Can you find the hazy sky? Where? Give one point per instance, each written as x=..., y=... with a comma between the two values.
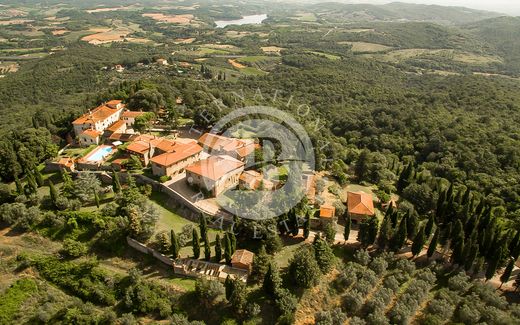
x=511, y=7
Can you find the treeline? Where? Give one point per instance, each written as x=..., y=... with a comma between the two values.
x=442, y=124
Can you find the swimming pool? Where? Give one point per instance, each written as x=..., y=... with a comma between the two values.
x=99, y=154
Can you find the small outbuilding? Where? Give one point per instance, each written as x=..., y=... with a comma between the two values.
x=243, y=259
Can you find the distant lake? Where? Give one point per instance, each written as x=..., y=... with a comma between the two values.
x=253, y=19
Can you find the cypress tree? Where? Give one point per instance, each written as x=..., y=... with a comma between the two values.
x=480, y=208
x=394, y=217
x=385, y=233
x=218, y=249
x=33, y=187
x=433, y=243
x=470, y=226
x=323, y=254
x=457, y=255
x=457, y=232
x=96, y=198
x=507, y=272
x=227, y=249
x=19, y=186
x=233, y=242
x=418, y=242
x=229, y=286
x=429, y=226
x=196, y=244
x=272, y=280
x=293, y=222
x=53, y=192
x=405, y=177
x=261, y=262
x=472, y=255
x=478, y=266
x=38, y=177
x=207, y=249
x=411, y=225
x=514, y=244
x=488, y=240
x=399, y=238
x=116, y=183
x=389, y=214
x=203, y=226
x=175, y=247
x=348, y=225
x=306, y=228
x=445, y=234
x=439, y=211
x=449, y=193
x=466, y=197
x=493, y=264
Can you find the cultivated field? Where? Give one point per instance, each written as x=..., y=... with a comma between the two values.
x=364, y=47
x=172, y=19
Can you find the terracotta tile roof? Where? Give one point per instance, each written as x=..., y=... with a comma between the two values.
x=98, y=114
x=91, y=133
x=242, y=256
x=113, y=103
x=139, y=146
x=252, y=178
x=327, y=211
x=246, y=150
x=131, y=114
x=242, y=147
x=66, y=161
x=360, y=203
x=165, y=145
x=181, y=152
x=214, y=167
x=116, y=126
x=123, y=137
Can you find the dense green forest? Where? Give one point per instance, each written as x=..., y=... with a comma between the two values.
x=418, y=103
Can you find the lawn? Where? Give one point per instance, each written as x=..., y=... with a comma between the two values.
x=167, y=219
x=187, y=284
x=290, y=245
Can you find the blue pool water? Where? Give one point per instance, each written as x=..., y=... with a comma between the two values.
x=100, y=154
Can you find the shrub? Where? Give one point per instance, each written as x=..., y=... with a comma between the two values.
x=330, y=317
x=405, y=266
x=459, y=282
x=72, y=248
x=353, y=301
x=378, y=265
x=208, y=291
x=391, y=283
x=362, y=257
x=164, y=178
x=378, y=318
x=468, y=314
x=440, y=308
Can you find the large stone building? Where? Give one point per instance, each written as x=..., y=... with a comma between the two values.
x=221, y=145
x=174, y=162
x=89, y=127
x=215, y=174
